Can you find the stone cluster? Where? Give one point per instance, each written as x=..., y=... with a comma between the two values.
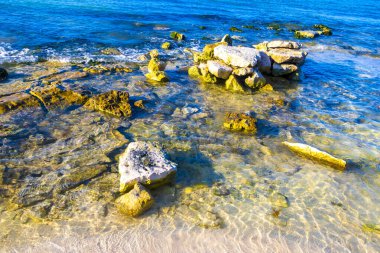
x=242, y=69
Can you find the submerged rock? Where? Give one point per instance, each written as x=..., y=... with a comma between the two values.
x=166, y=45
x=219, y=69
x=373, y=228
x=113, y=102
x=111, y=51
x=235, y=29
x=316, y=155
x=3, y=74
x=177, y=36
x=17, y=100
x=240, y=122
x=324, y=29
x=100, y=69
x=237, y=56
x=145, y=163
x=309, y=34
x=56, y=78
x=135, y=202
x=279, y=200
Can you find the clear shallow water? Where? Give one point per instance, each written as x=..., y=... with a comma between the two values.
x=335, y=108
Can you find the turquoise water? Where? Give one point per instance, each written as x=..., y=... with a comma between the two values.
x=335, y=107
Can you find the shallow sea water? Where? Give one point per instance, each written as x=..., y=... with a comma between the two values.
x=334, y=108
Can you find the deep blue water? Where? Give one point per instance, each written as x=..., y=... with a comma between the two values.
x=58, y=25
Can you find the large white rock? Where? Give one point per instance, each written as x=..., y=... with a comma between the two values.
x=145, y=163
x=240, y=57
x=219, y=69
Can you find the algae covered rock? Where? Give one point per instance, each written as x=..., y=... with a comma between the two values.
x=316, y=155
x=242, y=71
x=308, y=34
x=113, y=102
x=156, y=65
x=3, y=74
x=17, y=100
x=135, y=202
x=219, y=69
x=194, y=72
x=177, y=36
x=324, y=29
x=154, y=54
x=240, y=122
x=158, y=76
x=234, y=84
x=166, y=45
x=111, y=51
x=256, y=81
x=235, y=29
x=241, y=57
x=56, y=97
x=145, y=163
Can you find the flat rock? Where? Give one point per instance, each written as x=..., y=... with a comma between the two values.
x=219, y=69
x=135, y=202
x=283, y=69
x=283, y=55
x=145, y=163
x=316, y=155
x=240, y=57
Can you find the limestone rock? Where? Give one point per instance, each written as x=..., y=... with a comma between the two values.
x=208, y=50
x=146, y=163
x=135, y=202
x=283, y=69
x=3, y=74
x=17, y=100
x=64, y=77
x=309, y=34
x=240, y=122
x=113, y=102
x=237, y=56
x=316, y=155
x=256, y=81
x=282, y=55
x=219, y=69
x=158, y=76
x=234, y=84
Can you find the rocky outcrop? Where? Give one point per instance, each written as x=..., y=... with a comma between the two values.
x=109, y=68
x=166, y=45
x=113, y=102
x=57, y=78
x=177, y=36
x=156, y=68
x=240, y=122
x=135, y=202
x=308, y=34
x=111, y=51
x=145, y=163
x=3, y=74
x=325, y=30
x=241, y=69
x=316, y=155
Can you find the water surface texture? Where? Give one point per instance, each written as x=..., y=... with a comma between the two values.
x=335, y=107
